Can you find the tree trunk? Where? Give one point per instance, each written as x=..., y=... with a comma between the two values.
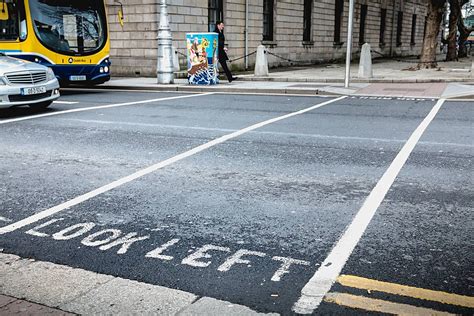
x=430, y=42
x=454, y=16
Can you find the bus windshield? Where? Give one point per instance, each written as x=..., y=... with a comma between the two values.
x=9, y=22
x=70, y=27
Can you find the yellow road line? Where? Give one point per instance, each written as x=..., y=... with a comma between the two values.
x=404, y=290
x=375, y=305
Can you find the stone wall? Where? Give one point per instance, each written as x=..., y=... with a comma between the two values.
x=134, y=46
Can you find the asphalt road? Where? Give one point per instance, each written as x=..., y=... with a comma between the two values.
x=250, y=218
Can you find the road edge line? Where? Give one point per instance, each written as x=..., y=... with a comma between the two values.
x=442, y=297
x=99, y=107
x=319, y=285
x=379, y=306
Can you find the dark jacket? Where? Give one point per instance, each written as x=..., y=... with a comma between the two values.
x=221, y=43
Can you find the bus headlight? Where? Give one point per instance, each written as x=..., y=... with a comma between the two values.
x=50, y=74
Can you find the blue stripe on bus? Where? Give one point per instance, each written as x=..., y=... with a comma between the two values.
x=92, y=72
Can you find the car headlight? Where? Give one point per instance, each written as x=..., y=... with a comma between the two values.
x=2, y=81
x=50, y=74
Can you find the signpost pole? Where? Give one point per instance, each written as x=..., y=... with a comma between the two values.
x=164, y=67
x=349, y=44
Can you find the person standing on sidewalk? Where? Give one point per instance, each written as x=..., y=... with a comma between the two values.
x=222, y=51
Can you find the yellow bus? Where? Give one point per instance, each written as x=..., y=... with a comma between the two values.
x=71, y=37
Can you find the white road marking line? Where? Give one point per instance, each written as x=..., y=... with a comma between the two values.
x=101, y=107
x=61, y=207
x=277, y=94
x=4, y=219
x=228, y=130
x=319, y=285
x=100, y=90
x=65, y=102
x=215, y=92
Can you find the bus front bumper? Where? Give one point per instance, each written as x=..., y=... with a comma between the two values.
x=82, y=74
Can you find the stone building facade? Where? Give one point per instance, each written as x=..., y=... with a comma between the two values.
x=305, y=31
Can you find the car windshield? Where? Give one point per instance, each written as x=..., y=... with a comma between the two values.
x=70, y=27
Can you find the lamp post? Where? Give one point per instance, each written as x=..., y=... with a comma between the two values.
x=349, y=44
x=164, y=65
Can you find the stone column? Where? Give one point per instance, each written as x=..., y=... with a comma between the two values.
x=261, y=63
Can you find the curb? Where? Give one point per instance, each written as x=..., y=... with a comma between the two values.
x=355, y=80
x=82, y=292
x=209, y=89
x=288, y=90
x=468, y=97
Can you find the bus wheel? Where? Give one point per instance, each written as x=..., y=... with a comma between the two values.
x=41, y=105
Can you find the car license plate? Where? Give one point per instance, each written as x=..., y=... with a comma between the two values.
x=34, y=90
x=77, y=78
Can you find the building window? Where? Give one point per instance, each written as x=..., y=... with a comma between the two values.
x=215, y=13
x=363, y=17
x=307, y=17
x=399, y=28
x=268, y=20
x=383, y=19
x=339, y=9
x=413, y=29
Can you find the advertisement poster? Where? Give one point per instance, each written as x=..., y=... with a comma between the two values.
x=202, y=58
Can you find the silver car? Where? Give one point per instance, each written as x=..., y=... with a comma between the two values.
x=26, y=83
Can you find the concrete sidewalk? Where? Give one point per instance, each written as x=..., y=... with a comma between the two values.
x=30, y=287
x=412, y=90
x=391, y=79
x=13, y=306
x=384, y=71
